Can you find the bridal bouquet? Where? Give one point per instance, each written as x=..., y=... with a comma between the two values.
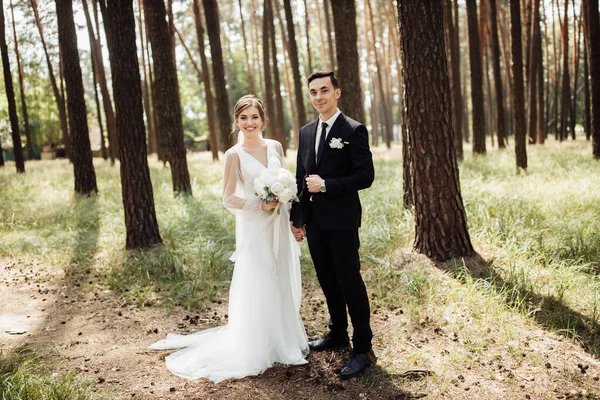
x=277, y=183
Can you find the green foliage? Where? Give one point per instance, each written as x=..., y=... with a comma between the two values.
x=22, y=378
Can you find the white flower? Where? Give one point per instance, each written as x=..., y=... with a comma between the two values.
x=276, y=183
x=337, y=143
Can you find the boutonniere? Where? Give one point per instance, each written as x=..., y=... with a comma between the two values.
x=337, y=143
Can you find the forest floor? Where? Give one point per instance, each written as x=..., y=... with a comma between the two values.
x=105, y=338
x=520, y=320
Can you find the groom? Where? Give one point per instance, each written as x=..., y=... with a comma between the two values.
x=334, y=163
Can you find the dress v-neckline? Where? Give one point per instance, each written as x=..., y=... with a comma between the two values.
x=256, y=159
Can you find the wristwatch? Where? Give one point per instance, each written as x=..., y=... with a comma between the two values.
x=322, y=188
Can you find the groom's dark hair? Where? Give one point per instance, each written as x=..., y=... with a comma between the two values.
x=323, y=74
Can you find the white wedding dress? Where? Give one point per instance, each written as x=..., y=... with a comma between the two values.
x=264, y=327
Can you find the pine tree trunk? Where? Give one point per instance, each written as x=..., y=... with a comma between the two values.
x=279, y=130
x=295, y=64
x=534, y=70
x=307, y=25
x=518, y=90
x=330, y=46
x=594, y=50
x=168, y=108
x=456, y=84
x=541, y=123
x=136, y=188
x=586, y=73
x=440, y=221
x=346, y=45
x=210, y=99
x=10, y=96
x=387, y=133
x=495, y=47
x=566, y=88
x=145, y=89
x=271, y=122
x=85, y=176
x=60, y=101
x=1, y=156
x=22, y=88
x=249, y=67
x=576, y=42
x=213, y=29
x=92, y=39
x=478, y=112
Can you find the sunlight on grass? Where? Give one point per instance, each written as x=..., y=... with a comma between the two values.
x=539, y=232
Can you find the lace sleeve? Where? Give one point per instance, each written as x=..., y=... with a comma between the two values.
x=279, y=150
x=233, y=198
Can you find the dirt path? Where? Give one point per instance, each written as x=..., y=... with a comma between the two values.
x=103, y=337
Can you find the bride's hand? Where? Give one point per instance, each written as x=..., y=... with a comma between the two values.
x=269, y=206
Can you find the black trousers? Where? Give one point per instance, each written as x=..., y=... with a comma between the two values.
x=335, y=255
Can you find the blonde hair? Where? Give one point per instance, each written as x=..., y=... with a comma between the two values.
x=244, y=103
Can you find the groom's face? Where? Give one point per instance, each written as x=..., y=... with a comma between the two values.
x=323, y=96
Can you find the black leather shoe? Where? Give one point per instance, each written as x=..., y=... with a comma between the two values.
x=328, y=343
x=358, y=363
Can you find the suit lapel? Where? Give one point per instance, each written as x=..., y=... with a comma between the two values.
x=312, y=135
x=336, y=126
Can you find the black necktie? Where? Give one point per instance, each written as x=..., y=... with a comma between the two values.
x=322, y=138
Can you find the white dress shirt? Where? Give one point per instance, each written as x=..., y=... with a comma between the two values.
x=329, y=122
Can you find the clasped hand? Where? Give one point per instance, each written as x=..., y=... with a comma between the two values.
x=299, y=233
x=313, y=183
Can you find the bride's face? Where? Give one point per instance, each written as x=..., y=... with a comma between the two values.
x=250, y=122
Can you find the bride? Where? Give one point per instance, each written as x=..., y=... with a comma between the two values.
x=264, y=327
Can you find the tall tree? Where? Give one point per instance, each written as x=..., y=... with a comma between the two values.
x=210, y=99
x=152, y=145
x=211, y=11
x=60, y=101
x=534, y=70
x=270, y=105
x=517, y=90
x=98, y=61
x=495, y=47
x=21, y=86
x=440, y=219
x=307, y=26
x=136, y=188
x=10, y=96
x=593, y=27
x=566, y=85
x=249, y=67
x=85, y=176
x=293, y=52
x=279, y=128
x=168, y=108
x=477, y=103
x=1, y=155
x=330, y=47
x=346, y=46
x=586, y=73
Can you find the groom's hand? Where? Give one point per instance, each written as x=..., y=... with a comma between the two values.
x=313, y=182
x=298, y=233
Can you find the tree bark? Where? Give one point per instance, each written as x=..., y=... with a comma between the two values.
x=145, y=89
x=440, y=221
x=267, y=48
x=294, y=61
x=586, y=73
x=279, y=131
x=495, y=47
x=10, y=96
x=346, y=45
x=594, y=50
x=566, y=88
x=477, y=112
x=249, y=67
x=85, y=176
x=136, y=188
x=168, y=108
x=307, y=25
x=330, y=46
x=518, y=91
x=211, y=11
x=60, y=101
x=22, y=87
x=210, y=99
x=534, y=70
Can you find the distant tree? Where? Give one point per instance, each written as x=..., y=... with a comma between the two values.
x=10, y=96
x=166, y=89
x=269, y=103
x=586, y=72
x=500, y=116
x=535, y=68
x=58, y=97
x=21, y=86
x=85, y=176
x=593, y=28
x=293, y=52
x=477, y=103
x=440, y=220
x=1, y=156
x=565, y=96
x=517, y=90
x=136, y=188
x=249, y=66
x=279, y=131
x=211, y=11
x=346, y=46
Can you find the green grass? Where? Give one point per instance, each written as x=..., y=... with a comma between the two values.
x=539, y=234
x=22, y=378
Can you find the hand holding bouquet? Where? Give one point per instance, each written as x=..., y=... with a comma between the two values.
x=276, y=184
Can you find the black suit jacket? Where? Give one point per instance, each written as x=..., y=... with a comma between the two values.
x=345, y=171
